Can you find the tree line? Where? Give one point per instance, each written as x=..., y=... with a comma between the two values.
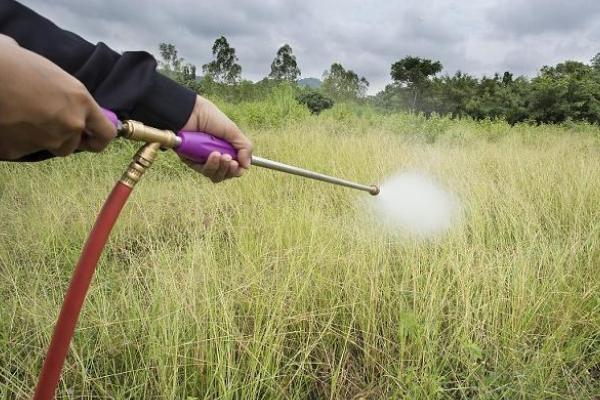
x=567, y=91
x=222, y=77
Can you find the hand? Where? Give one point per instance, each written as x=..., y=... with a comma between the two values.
x=44, y=108
x=207, y=118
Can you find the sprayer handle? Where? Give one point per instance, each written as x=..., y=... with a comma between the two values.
x=111, y=116
x=195, y=146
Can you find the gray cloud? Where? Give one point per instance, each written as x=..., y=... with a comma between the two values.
x=537, y=17
x=478, y=37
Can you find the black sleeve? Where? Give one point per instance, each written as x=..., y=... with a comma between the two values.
x=126, y=83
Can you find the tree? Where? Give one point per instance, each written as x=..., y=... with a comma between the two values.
x=595, y=62
x=414, y=73
x=569, y=90
x=344, y=85
x=224, y=68
x=507, y=78
x=284, y=66
x=174, y=66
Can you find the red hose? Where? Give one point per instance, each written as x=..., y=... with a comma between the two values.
x=80, y=282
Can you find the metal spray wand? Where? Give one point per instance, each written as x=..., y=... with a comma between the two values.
x=197, y=146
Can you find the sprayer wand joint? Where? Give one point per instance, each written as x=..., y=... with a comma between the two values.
x=136, y=131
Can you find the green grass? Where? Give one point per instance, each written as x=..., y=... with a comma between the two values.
x=275, y=287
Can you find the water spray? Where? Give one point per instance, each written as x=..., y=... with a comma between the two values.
x=194, y=146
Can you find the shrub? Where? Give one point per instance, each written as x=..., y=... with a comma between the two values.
x=315, y=101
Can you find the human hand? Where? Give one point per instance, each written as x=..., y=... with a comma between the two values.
x=207, y=118
x=44, y=108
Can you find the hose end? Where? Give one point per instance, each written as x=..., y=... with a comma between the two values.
x=374, y=190
x=142, y=160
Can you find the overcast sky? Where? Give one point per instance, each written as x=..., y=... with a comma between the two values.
x=478, y=37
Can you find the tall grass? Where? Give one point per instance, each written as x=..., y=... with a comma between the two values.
x=272, y=286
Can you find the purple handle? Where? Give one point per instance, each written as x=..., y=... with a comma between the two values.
x=197, y=146
x=112, y=117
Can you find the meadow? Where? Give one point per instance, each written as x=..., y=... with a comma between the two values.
x=275, y=287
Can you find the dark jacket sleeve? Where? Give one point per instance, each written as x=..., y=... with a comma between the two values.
x=126, y=83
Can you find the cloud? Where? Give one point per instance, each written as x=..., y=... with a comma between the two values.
x=477, y=37
x=537, y=17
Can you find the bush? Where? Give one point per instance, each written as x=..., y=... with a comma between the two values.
x=315, y=101
x=279, y=109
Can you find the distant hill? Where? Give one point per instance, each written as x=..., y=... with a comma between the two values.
x=313, y=83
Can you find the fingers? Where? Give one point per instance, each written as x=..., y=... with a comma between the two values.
x=245, y=158
x=222, y=172
x=211, y=166
x=68, y=146
x=234, y=170
x=239, y=141
x=243, y=146
x=218, y=167
x=99, y=130
x=207, y=117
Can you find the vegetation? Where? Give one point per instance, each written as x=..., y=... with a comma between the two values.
x=174, y=66
x=414, y=73
x=272, y=286
x=284, y=66
x=224, y=68
x=341, y=84
x=314, y=100
x=569, y=91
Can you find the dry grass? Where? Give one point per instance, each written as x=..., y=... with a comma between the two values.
x=276, y=287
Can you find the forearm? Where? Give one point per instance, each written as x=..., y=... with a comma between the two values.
x=127, y=84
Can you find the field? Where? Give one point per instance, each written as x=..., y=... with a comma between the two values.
x=275, y=287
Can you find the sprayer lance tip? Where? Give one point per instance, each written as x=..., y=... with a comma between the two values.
x=374, y=190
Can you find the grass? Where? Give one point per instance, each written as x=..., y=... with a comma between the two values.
x=272, y=286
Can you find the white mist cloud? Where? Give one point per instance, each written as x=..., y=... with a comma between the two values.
x=414, y=204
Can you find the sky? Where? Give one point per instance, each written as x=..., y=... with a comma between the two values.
x=476, y=37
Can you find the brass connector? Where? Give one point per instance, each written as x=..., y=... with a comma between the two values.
x=142, y=160
x=134, y=130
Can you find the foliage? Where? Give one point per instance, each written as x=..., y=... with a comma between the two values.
x=314, y=100
x=276, y=287
x=224, y=68
x=341, y=84
x=279, y=108
x=174, y=66
x=414, y=70
x=414, y=73
x=284, y=66
x=567, y=91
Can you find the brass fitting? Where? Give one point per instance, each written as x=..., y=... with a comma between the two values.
x=134, y=130
x=142, y=160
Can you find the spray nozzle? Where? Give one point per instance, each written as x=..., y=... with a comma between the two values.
x=197, y=146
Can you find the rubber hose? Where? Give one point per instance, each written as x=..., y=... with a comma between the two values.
x=75, y=296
